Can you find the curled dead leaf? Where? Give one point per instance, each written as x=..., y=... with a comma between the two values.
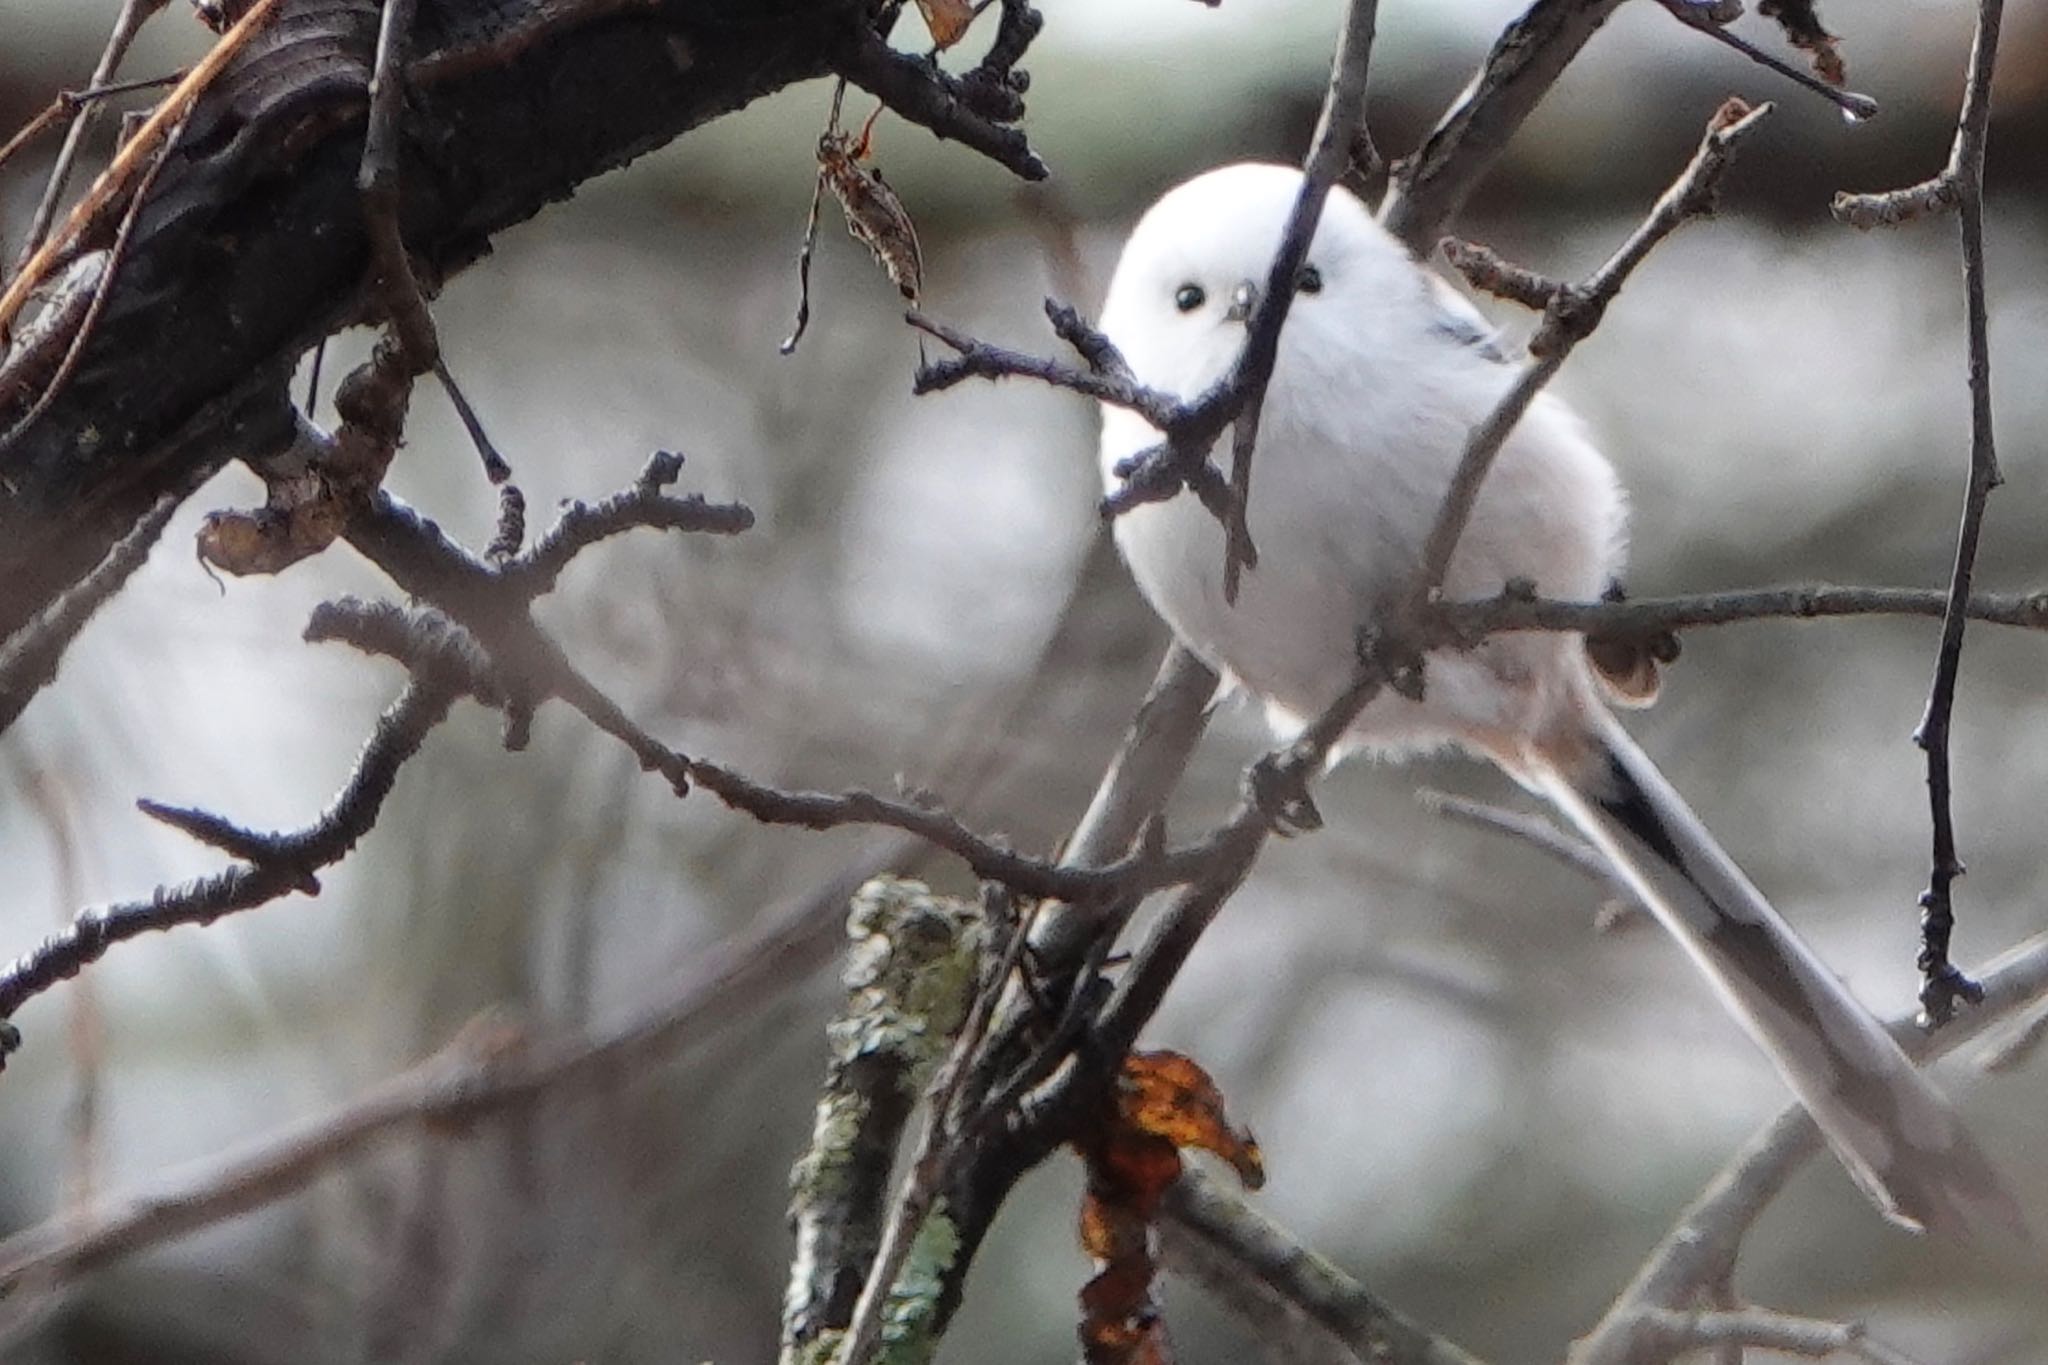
x=1167, y=1095
x=1163, y=1103
x=947, y=20
x=875, y=216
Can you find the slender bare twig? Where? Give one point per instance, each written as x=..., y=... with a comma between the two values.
x=1568, y=319
x=1200, y=1210
x=645, y=504
x=1704, y=1242
x=127, y=24
x=1665, y=1334
x=1329, y=154
x=130, y=158
x=290, y=859
x=496, y=469
x=1960, y=186
x=1471, y=621
x=1485, y=269
x=28, y=661
x=1943, y=984
x=1539, y=834
x=1141, y=776
x=1689, y=13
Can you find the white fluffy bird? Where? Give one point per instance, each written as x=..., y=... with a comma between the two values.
x=1383, y=371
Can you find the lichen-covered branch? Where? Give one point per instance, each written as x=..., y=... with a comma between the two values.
x=910, y=978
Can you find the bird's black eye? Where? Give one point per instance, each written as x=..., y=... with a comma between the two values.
x=1189, y=297
x=1310, y=281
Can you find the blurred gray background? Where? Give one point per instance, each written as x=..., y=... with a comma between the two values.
x=1481, y=1107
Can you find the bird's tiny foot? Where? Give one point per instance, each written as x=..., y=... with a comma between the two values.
x=1278, y=786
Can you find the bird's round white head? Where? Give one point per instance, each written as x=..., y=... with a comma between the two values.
x=1194, y=266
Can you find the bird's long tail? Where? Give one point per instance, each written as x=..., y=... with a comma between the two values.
x=1898, y=1137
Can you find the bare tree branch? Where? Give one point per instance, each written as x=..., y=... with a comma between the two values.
x=1251, y=1245
x=1568, y=319
x=1429, y=186
x=1708, y=1235
x=287, y=863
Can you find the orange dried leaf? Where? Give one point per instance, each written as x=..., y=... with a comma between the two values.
x=946, y=19
x=1166, y=1095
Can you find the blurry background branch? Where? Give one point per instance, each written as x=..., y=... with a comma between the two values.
x=1702, y=1247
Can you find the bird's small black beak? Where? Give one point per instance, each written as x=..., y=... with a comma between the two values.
x=1243, y=300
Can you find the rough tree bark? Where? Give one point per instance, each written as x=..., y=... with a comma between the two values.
x=251, y=246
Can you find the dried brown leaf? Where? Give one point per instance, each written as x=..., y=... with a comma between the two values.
x=947, y=19
x=1801, y=22
x=1167, y=1095
x=874, y=214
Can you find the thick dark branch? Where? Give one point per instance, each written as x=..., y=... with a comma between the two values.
x=253, y=246
x=917, y=89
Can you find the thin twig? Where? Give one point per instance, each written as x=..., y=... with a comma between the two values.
x=1852, y=105
x=1569, y=319
x=1329, y=154
x=1944, y=986
x=1665, y=1334
x=809, y=246
x=495, y=467
x=1469, y=622
x=29, y=659
x=134, y=14
x=293, y=857
x=133, y=153
x=1201, y=1210
x=645, y=504
x=1539, y=834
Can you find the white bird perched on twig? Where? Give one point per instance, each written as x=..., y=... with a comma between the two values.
x=1383, y=371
